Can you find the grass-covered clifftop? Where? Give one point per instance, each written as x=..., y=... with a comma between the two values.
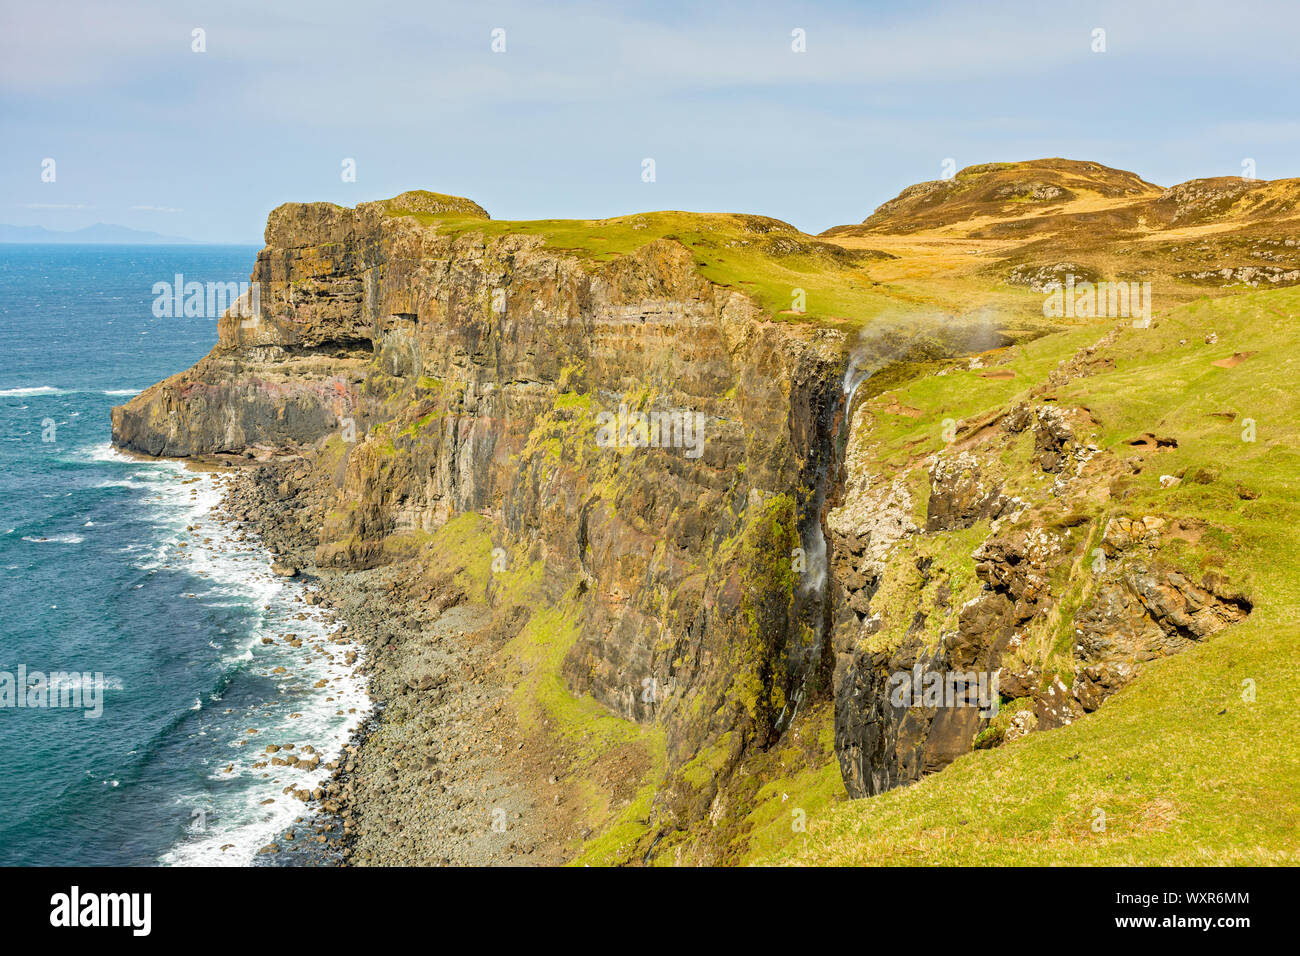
x=1194, y=761
x=765, y=258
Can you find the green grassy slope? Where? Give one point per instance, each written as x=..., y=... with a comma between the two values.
x=766, y=258
x=1186, y=767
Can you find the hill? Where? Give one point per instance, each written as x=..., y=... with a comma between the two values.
x=99, y=234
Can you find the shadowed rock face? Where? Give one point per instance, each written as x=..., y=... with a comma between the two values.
x=472, y=372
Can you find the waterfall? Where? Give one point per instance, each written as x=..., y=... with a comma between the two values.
x=814, y=591
x=876, y=348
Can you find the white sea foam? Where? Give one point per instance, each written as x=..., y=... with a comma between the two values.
x=32, y=390
x=123, y=483
x=104, y=451
x=29, y=390
x=54, y=539
x=76, y=682
x=235, y=814
x=236, y=820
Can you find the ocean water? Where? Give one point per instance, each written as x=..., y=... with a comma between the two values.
x=100, y=576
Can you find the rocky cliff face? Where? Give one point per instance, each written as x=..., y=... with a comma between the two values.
x=664, y=456
x=994, y=587
x=421, y=376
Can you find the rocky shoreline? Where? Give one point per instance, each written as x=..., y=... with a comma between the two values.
x=439, y=774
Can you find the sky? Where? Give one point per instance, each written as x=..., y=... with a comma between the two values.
x=147, y=132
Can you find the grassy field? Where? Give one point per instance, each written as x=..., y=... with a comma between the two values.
x=927, y=259
x=608, y=765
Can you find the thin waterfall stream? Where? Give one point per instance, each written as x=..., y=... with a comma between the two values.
x=814, y=589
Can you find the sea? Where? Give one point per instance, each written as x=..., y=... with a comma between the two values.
x=126, y=608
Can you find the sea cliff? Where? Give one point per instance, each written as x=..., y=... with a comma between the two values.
x=641, y=547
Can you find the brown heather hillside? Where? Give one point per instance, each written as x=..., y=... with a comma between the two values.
x=1001, y=227
x=1002, y=192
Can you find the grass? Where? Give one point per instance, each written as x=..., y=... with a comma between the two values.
x=586, y=734
x=964, y=395
x=1185, y=770
x=589, y=743
x=902, y=589
x=1195, y=762
x=767, y=259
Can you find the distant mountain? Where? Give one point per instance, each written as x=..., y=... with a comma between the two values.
x=100, y=232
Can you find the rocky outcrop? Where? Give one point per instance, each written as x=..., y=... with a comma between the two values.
x=1198, y=200
x=1140, y=611
x=915, y=624
x=1045, y=278
x=421, y=373
x=958, y=495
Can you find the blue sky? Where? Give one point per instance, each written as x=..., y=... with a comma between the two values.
x=149, y=134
